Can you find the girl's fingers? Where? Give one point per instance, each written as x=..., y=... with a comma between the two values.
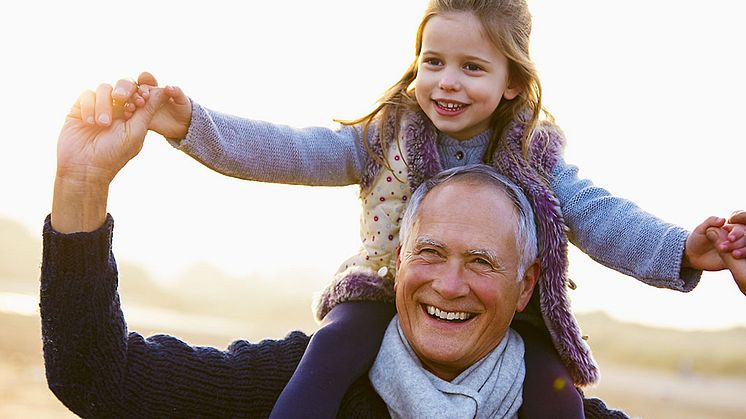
x=177, y=95
x=103, y=105
x=87, y=107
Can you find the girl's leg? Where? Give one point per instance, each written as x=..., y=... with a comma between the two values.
x=548, y=390
x=341, y=351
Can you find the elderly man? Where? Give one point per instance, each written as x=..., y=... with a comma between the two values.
x=466, y=265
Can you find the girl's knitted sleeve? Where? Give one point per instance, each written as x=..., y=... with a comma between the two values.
x=618, y=234
x=265, y=152
x=98, y=369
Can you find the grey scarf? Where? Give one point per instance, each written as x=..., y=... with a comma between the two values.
x=491, y=388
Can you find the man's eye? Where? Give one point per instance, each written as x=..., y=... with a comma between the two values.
x=430, y=254
x=483, y=263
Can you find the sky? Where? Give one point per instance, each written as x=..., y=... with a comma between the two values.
x=649, y=95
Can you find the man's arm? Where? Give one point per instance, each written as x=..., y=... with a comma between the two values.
x=93, y=365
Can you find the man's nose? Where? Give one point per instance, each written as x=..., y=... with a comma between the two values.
x=449, y=80
x=450, y=282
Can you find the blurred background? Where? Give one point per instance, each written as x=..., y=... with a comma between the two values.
x=649, y=94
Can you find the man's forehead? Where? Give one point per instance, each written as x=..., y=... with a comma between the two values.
x=479, y=213
x=483, y=202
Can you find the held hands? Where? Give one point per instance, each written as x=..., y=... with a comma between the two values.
x=718, y=244
x=171, y=120
x=737, y=267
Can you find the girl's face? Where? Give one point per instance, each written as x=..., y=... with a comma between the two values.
x=462, y=76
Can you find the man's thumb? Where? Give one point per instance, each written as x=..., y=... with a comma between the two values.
x=141, y=118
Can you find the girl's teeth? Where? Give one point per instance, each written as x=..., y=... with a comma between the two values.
x=450, y=106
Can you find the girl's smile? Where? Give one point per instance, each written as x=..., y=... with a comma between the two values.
x=461, y=77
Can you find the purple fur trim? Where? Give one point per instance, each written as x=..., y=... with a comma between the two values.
x=555, y=306
x=547, y=146
x=420, y=137
x=353, y=285
x=378, y=146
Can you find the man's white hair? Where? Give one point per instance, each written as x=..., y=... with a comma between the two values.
x=526, y=228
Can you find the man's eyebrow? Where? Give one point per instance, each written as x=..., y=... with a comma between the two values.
x=428, y=241
x=485, y=253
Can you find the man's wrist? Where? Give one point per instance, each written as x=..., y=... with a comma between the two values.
x=78, y=205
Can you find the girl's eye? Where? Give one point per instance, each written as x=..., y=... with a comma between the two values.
x=472, y=67
x=432, y=61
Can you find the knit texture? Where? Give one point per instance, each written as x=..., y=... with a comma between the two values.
x=98, y=369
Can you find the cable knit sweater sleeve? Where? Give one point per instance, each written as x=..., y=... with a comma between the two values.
x=261, y=151
x=97, y=369
x=618, y=234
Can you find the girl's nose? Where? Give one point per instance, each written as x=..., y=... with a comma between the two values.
x=449, y=82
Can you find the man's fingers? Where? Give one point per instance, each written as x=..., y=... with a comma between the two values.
x=738, y=217
x=736, y=266
x=124, y=89
x=87, y=103
x=147, y=78
x=103, y=105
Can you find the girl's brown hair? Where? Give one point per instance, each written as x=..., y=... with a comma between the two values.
x=507, y=24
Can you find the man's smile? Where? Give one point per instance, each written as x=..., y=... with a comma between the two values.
x=457, y=316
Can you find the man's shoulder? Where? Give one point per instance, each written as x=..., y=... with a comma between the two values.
x=362, y=401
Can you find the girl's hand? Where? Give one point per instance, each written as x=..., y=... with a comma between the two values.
x=171, y=121
x=701, y=253
x=737, y=267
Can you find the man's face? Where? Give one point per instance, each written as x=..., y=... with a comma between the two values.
x=457, y=287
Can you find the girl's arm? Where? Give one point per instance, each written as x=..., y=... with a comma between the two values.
x=265, y=152
x=618, y=234
x=250, y=149
x=97, y=369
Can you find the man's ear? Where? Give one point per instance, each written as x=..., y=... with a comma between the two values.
x=527, y=285
x=398, y=262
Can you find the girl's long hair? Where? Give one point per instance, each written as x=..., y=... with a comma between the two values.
x=507, y=24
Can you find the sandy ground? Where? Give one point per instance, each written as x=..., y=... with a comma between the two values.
x=657, y=394
x=640, y=393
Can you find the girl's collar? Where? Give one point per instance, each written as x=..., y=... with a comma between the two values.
x=479, y=140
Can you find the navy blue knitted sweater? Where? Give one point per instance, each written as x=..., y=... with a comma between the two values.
x=98, y=369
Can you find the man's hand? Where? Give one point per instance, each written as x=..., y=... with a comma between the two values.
x=92, y=148
x=719, y=238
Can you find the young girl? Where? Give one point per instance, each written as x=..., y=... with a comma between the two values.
x=471, y=94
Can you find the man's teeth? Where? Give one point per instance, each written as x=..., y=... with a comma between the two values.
x=450, y=106
x=448, y=315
